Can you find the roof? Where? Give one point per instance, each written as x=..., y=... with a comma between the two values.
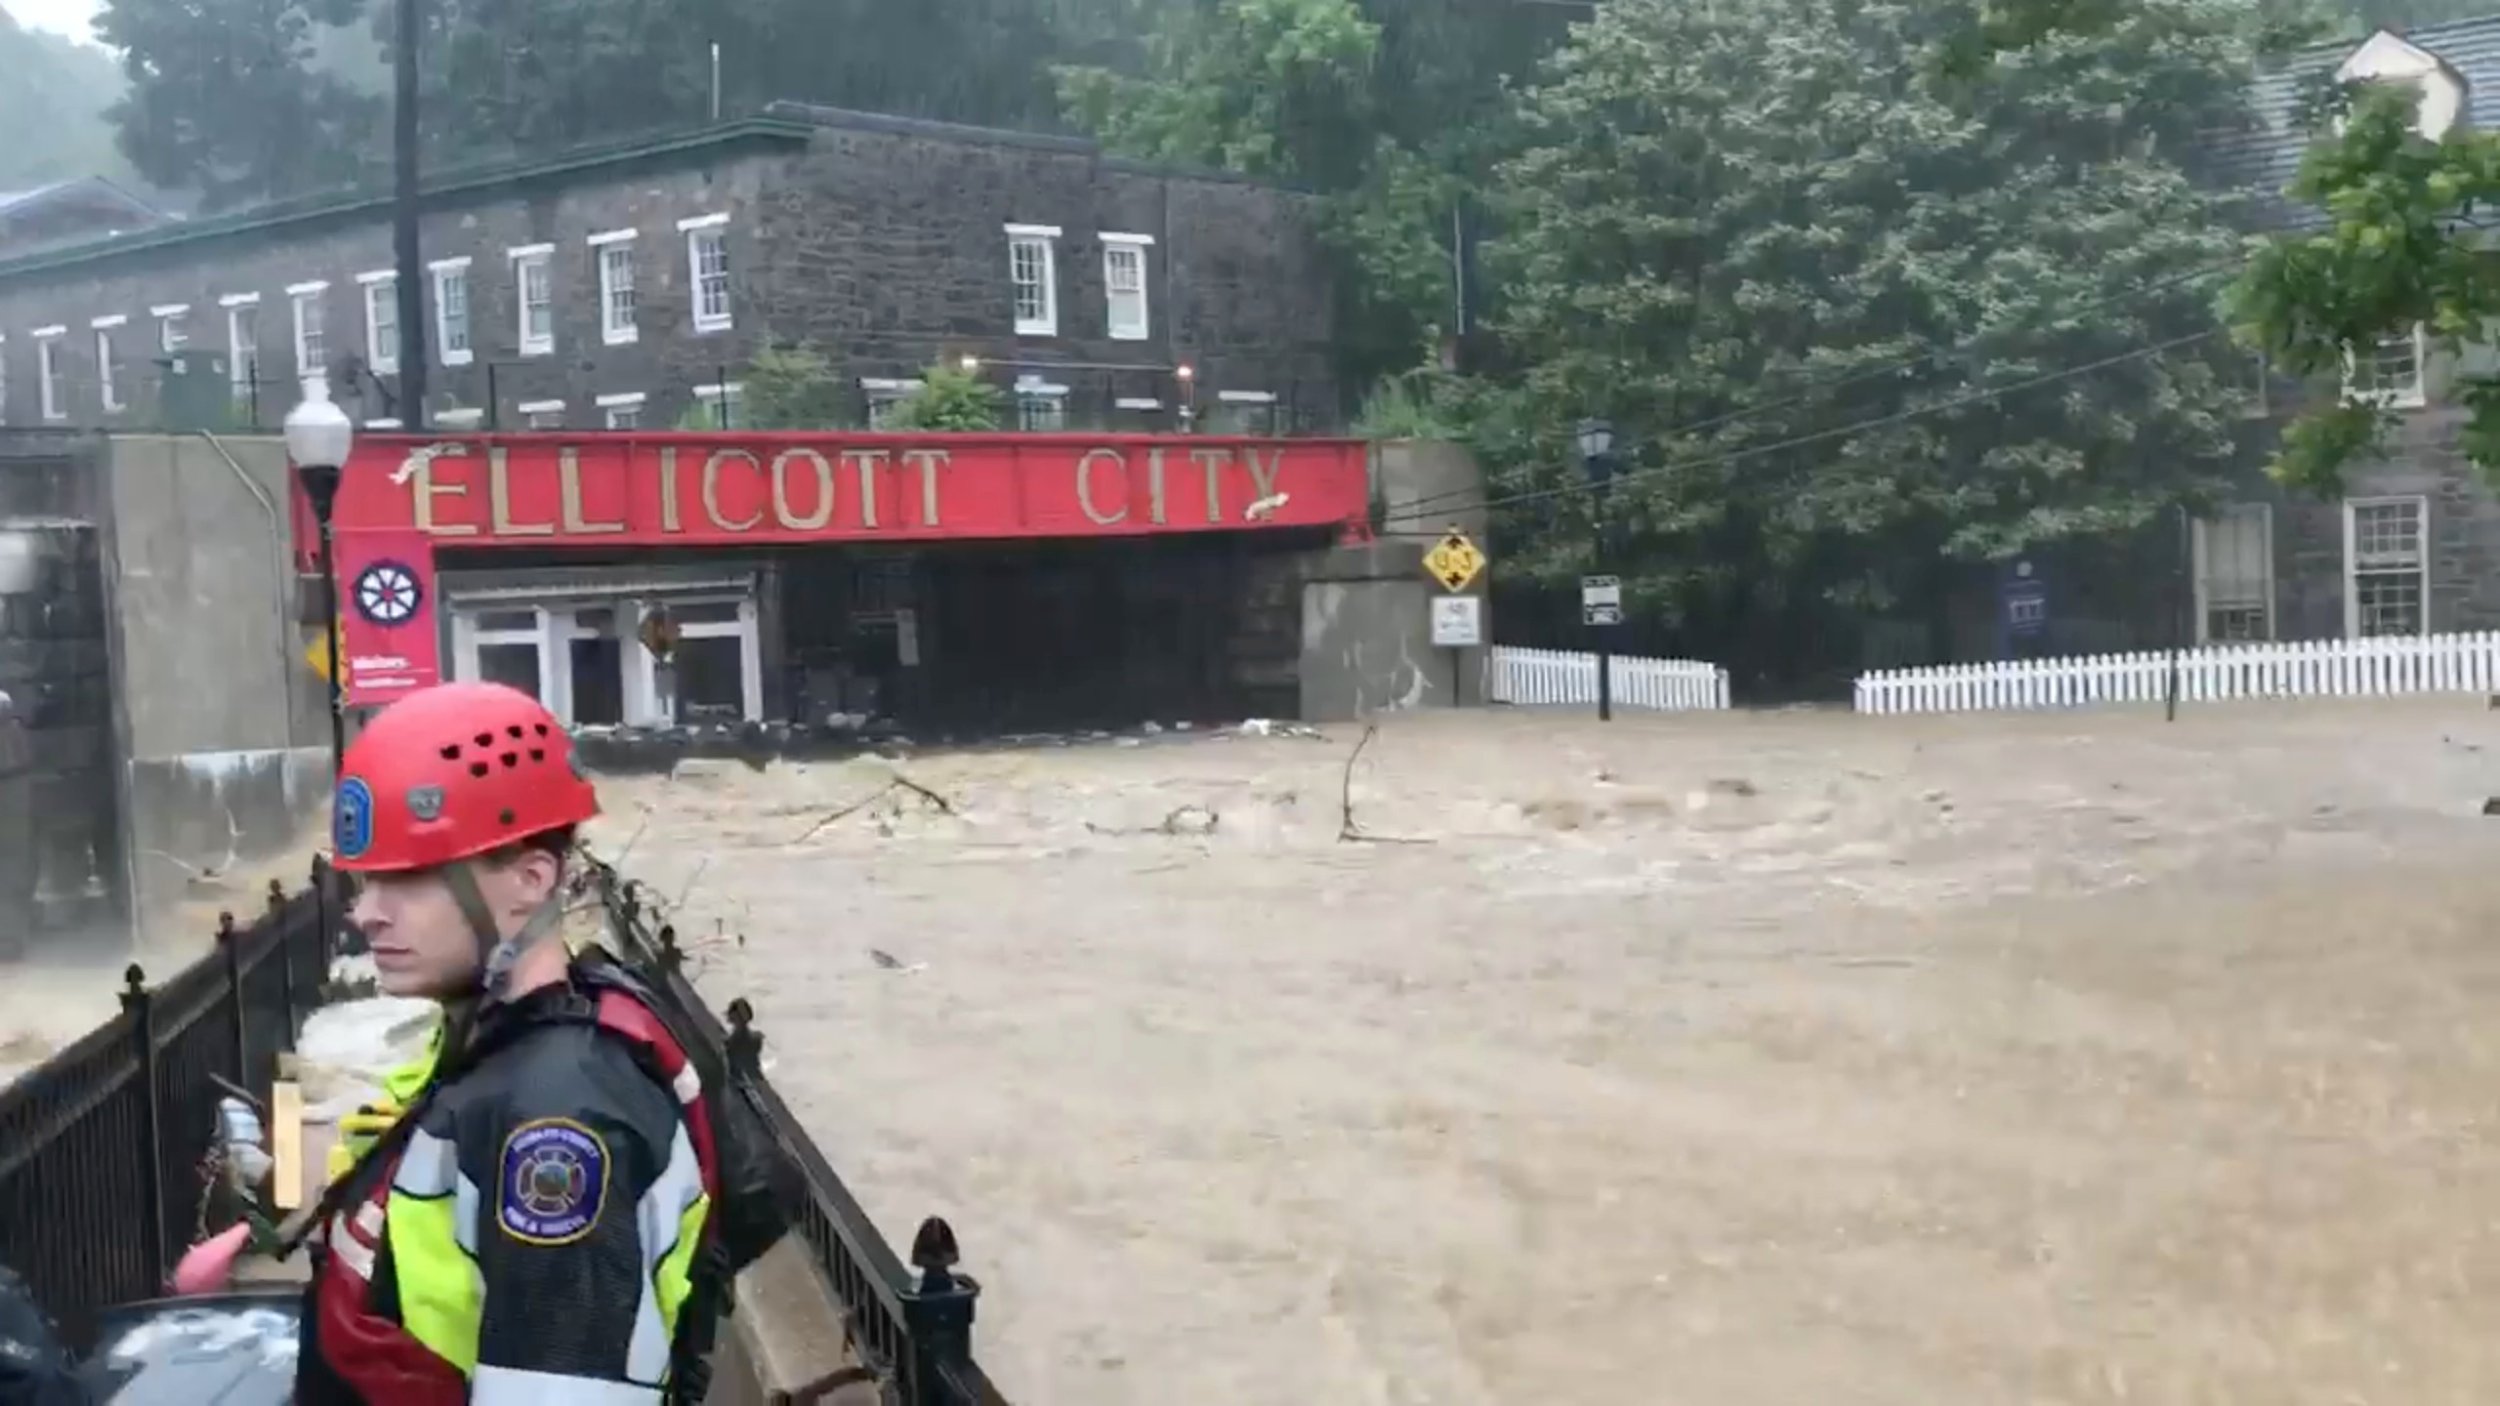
x=451, y=187
x=2267, y=156
x=17, y=202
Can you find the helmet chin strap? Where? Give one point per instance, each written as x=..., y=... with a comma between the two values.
x=496, y=953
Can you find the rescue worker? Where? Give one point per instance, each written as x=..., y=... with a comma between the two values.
x=533, y=1229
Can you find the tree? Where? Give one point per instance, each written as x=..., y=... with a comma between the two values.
x=950, y=400
x=2404, y=243
x=1744, y=233
x=53, y=108
x=222, y=100
x=795, y=388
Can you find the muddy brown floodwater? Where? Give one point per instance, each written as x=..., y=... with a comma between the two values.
x=1792, y=1058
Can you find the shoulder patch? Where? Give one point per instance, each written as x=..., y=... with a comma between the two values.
x=553, y=1184
x=351, y=821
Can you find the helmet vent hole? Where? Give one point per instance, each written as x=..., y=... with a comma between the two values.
x=514, y=731
x=484, y=739
x=506, y=818
x=538, y=754
x=511, y=759
x=452, y=752
x=479, y=768
x=542, y=729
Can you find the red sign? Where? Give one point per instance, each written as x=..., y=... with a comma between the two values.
x=386, y=615
x=539, y=490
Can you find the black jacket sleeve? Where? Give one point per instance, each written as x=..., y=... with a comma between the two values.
x=570, y=1145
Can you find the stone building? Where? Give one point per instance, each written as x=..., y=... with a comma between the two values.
x=633, y=286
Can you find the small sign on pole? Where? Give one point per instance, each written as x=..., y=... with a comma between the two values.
x=1458, y=622
x=1601, y=600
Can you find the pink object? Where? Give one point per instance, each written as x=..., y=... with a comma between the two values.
x=208, y=1266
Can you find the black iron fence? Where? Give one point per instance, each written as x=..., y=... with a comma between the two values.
x=910, y=1327
x=102, y=1146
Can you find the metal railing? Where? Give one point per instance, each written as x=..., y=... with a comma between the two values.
x=913, y=1331
x=101, y=1146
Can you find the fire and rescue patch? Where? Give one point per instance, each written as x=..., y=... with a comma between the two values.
x=351, y=819
x=555, y=1179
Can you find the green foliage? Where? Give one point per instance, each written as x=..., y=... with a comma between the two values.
x=950, y=399
x=1418, y=404
x=1740, y=232
x=53, y=108
x=2402, y=245
x=795, y=388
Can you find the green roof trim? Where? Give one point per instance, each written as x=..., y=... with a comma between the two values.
x=453, y=186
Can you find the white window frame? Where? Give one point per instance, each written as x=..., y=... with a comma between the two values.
x=380, y=289
x=1141, y=327
x=461, y=415
x=107, y=362
x=614, y=251
x=1043, y=241
x=2353, y=567
x=173, y=330
x=449, y=274
x=384, y=424
x=556, y=627
x=242, y=352
x=530, y=410
x=711, y=397
x=623, y=400
x=527, y=257
x=1032, y=391
x=704, y=232
x=302, y=298
x=4, y=378
x=2412, y=396
x=883, y=393
x=1266, y=400
x=2202, y=552
x=48, y=370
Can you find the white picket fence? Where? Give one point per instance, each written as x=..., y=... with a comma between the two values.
x=1534, y=677
x=2377, y=667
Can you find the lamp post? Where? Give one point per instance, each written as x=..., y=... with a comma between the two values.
x=1186, y=377
x=1597, y=463
x=318, y=436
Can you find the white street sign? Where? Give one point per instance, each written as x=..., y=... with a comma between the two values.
x=1457, y=622
x=1598, y=591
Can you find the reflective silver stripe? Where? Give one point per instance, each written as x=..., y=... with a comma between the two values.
x=369, y=1219
x=356, y=1257
x=464, y=1200
x=510, y=1386
x=689, y=1084
x=657, y=1219
x=428, y=1168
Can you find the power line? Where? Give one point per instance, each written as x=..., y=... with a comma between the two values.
x=1817, y=387
x=1417, y=509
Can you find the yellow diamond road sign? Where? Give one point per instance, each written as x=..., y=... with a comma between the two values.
x=1454, y=561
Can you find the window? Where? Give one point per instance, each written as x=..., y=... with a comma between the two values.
x=542, y=414
x=533, y=276
x=624, y=412
x=4, y=380
x=724, y=406
x=883, y=396
x=451, y=311
x=616, y=287
x=707, y=267
x=173, y=327
x=381, y=321
x=2386, y=568
x=1041, y=408
x=2234, y=552
x=1246, y=413
x=1124, y=286
x=580, y=657
x=48, y=370
x=2391, y=374
x=108, y=361
x=243, y=346
x=1033, y=270
x=312, y=335
x=719, y=678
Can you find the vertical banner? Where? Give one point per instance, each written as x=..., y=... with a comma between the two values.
x=386, y=615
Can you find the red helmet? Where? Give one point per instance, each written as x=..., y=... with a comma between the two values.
x=453, y=772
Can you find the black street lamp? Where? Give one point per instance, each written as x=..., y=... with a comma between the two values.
x=1597, y=462
x=318, y=436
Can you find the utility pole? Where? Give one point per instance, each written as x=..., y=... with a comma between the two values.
x=410, y=284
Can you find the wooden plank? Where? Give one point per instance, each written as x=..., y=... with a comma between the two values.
x=286, y=1144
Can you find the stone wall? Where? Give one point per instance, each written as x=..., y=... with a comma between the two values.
x=881, y=241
